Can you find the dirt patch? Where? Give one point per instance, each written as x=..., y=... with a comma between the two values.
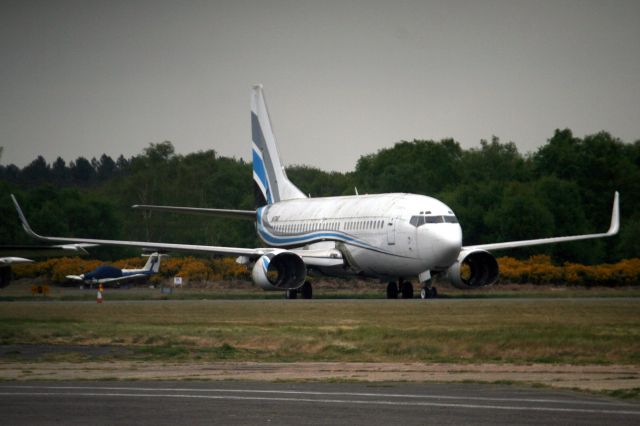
x=587, y=377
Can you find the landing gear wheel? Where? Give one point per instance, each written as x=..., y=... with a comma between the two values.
x=407, y=290
x=292, y=294
x=428, y=293
x=306, y=290
x=425, y=293
x=392, y=290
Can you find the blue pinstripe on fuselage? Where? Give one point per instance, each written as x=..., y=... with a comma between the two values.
x=303, y=238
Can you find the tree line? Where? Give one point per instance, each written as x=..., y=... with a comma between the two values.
x=499, y=194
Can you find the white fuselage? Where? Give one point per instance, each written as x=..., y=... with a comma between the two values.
x=386, y=235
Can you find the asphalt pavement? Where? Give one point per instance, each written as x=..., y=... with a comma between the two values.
x=250, y=403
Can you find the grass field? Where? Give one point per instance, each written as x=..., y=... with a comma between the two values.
x=339, y=289
x=520, y=331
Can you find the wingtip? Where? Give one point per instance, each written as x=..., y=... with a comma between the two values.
x=23, y=218
x=615, y=215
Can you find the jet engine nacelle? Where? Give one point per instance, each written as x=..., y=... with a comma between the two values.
x=473, y=269
x=279, y=270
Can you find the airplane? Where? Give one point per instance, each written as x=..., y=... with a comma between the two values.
x=11, y=255
x=107, y=274
x=386, y=236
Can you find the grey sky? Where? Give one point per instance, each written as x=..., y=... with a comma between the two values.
x=343, y=78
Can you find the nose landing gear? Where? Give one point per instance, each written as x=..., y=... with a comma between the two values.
x=428, y=292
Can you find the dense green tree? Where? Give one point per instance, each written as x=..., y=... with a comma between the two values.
x=59, y=172
x=318, y=183
x=494, y=161
x=565, y=187
x=423, y=167
x=81, y=171
x=37, y=172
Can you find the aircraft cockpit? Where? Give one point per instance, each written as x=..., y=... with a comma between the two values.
x=419, y=220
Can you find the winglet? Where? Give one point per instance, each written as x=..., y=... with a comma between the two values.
x=615, y=216
x=23, y=219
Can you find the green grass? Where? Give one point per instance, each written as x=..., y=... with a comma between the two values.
x=583, y=331
x=633, y=393
x=21, y=291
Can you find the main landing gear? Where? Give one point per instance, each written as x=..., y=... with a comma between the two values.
x=305, y=291
x=405, y=290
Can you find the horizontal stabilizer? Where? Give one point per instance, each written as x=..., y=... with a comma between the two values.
x=10, y=260
x=74, y=277
x=45, y=251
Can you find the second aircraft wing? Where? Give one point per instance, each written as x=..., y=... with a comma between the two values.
x=228, y=251
x=613, y=230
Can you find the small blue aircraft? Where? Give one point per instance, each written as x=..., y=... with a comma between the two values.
x=110, y=274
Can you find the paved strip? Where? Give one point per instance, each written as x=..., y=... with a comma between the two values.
x=240, y=403
x=312, y=393
x=325, y=401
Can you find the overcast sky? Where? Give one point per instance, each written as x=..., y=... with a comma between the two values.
x=342, y=79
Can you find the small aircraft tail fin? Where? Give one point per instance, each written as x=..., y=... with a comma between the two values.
x=153, y=263
x=272, y=184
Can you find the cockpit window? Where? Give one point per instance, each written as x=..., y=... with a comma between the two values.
x=419, y=220
x=433, y=219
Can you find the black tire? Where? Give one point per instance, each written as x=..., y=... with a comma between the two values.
x=306, y=290
x=5, y=276
x=407, y=290
x=392, y=290
x=434, y=292
x=425, y=293
x=292, y=294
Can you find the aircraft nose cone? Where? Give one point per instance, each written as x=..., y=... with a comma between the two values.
x=448, y=245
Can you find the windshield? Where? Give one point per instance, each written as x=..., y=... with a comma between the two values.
x=419, y=220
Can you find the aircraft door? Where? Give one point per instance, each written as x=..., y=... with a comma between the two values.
x=391, y=231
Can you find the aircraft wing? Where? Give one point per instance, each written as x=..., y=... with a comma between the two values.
x=227, y=213
x=613, y=230
x=228, y=251
x=124, y=278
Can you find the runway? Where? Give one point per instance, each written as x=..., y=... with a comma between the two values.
x=242, y=403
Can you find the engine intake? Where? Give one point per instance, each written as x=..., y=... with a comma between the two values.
x=473, y=269
x=279, y=270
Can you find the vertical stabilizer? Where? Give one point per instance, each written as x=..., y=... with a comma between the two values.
x=268, y=173
x=153, y=263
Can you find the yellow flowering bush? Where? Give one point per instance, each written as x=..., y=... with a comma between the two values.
x=535, y=270
x=540, y=270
